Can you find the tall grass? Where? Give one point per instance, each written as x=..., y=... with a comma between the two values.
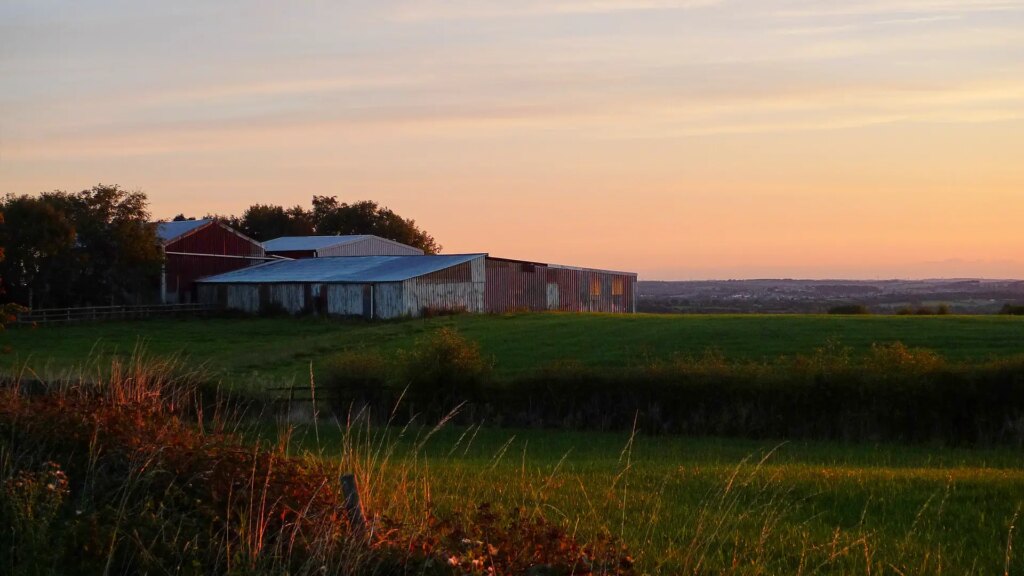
x=129, y=469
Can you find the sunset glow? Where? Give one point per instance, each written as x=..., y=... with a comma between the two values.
x=677, y=138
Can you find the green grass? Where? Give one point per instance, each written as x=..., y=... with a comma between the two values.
x=265, y=350
x=842, y=508
x=818, y=507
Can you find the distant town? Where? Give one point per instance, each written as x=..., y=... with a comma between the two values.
x=961, y=296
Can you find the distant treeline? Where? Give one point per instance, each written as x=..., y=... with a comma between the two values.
x=892, y=393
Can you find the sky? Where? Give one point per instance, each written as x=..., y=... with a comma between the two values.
x=682, y=139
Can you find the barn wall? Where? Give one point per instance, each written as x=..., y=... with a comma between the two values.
x=291, y=297
x=244, y=297
x=581, y=290
x=370, y=247
x=450, y=290
x=345, y=299
x=388, y=301
x=513, y=285
x=212, y=249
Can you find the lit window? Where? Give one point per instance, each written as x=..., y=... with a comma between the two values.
x=618, y=286
x=595, y=287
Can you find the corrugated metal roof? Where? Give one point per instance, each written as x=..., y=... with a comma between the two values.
x=353, y=269
x=167, y=231
x=288, y=243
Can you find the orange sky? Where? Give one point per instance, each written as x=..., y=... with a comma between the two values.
x=681, y=139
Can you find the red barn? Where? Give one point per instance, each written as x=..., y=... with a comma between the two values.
x=197, y=248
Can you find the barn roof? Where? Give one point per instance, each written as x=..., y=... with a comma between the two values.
x=167, y=231
x=289, y=243
x=352, y=269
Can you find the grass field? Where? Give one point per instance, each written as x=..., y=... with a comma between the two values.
x=682, y=505
x=275, y=350
x=814, y=507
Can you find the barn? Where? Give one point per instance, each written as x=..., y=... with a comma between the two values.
x=369, y=286
x=323, y=246
x=410, y=286
x=197, y=248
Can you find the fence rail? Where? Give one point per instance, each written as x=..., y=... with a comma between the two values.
x=94, y=313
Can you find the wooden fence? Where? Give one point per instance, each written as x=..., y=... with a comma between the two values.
x=94, y=313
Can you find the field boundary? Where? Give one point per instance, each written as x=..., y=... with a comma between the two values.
x=100, y=313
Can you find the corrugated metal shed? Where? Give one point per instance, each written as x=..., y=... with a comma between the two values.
x=370, y=286
x=324, y=246
x=348, y=269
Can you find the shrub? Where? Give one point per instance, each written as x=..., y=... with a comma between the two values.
x=9, y=314
x=355, y=375
x=1012, y=309
x=30, y=501
x=849, y=309
x=940, y=310
x=444, y=366
x=154, y=485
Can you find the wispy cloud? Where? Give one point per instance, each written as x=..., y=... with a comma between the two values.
x=490, y=9
x=817, y=9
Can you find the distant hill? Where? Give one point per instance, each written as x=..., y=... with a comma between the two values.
x=964, y=295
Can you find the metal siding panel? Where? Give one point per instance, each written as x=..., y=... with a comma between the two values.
x=243, y=297
x=512, y=286
x=291, y=297
x=388, y=300
x=345, y=299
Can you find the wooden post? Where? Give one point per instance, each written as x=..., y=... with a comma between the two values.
x=353, y=509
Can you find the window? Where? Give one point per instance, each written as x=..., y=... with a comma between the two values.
x=618, y=286
x=595, y=287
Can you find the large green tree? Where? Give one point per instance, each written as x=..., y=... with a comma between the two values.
x=329, y=217
x=91, y=247
x=265, y=222
x=40, y=239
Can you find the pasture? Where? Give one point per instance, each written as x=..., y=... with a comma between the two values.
x=680, y=504
x=254, y=352
x=727, y=506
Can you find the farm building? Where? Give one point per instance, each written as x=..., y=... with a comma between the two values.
x=396, y=286
x=322, y=246
x=197, y=248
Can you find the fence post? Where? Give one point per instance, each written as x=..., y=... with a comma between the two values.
x=353, y=509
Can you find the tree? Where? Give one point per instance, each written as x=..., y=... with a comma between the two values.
x=8, y=312
x=265, y=222
x=119, y=250
x=39, y=239
x=69, y=249
x=331, y=217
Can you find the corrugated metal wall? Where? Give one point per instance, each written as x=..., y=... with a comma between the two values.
x=512, y=286
x=450, y=290
x=345, y=299
x=582, y=290
x=388, y=301
x=370, y=247
x=482, y=285
x=209, y=250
